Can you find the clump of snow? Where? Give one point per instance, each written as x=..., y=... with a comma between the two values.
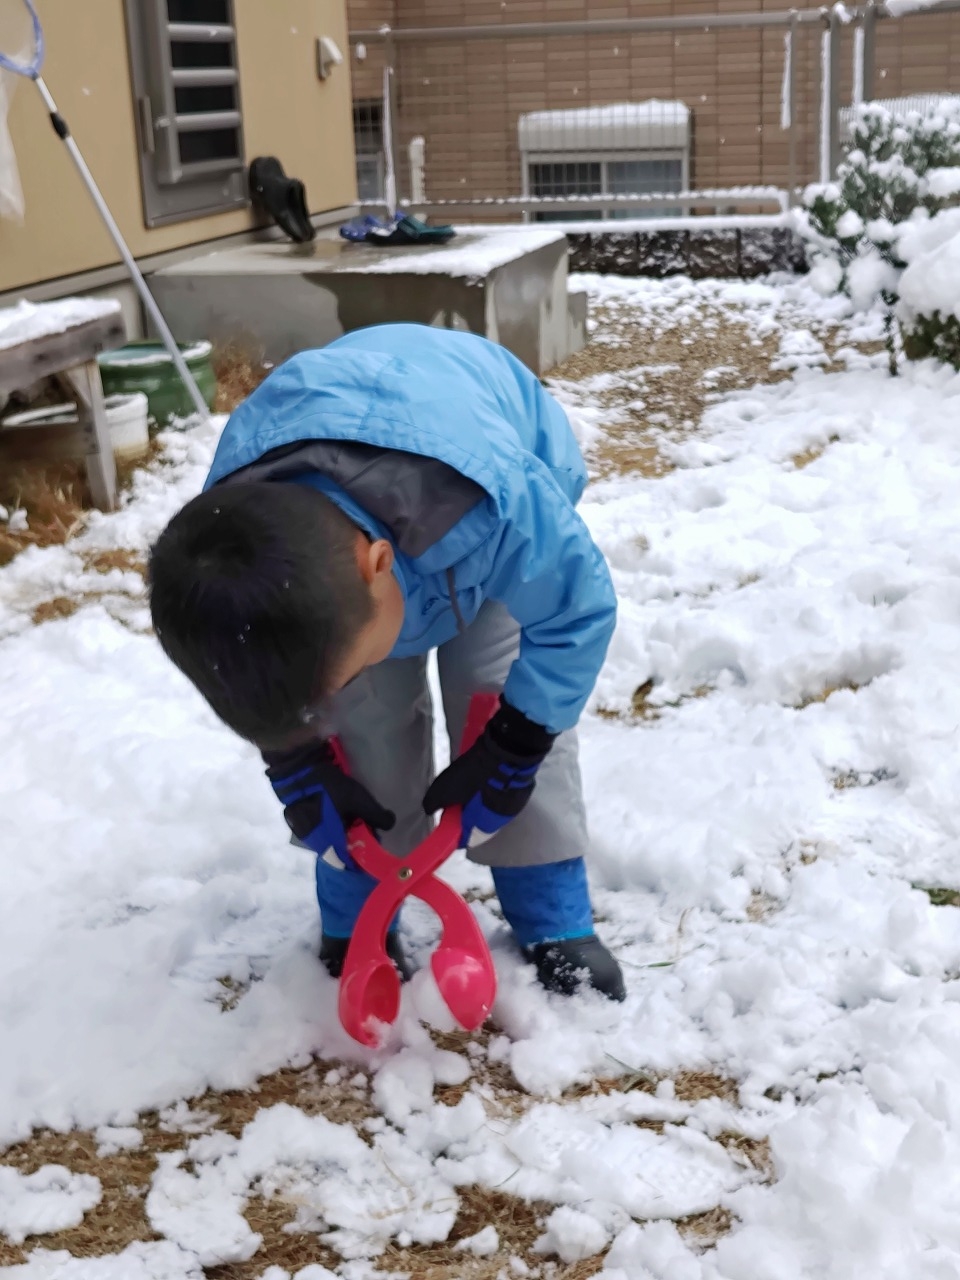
x=927, y=235
x=484, y=1244
x=572, y=1235
x=799, y=349
x=51, y=1199
x=826, y=276
x=849, y=224
x=656, y=1249
x=931, y=281
x=943, y=184
x=28, y=320
x=358, y=1195
x=182, y=1118
x=158, y=1260
x=114, y=1138
x=869, y=277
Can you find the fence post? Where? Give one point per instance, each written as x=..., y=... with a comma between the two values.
x=834, y=99
x=869, y=56
x=856, y=93
x=391, y=191
x=417, y=156
x=789, y=107
x=829, y=94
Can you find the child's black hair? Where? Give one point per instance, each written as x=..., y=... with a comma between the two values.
x=256, y=596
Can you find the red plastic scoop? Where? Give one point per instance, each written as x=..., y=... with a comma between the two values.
x=462, y=964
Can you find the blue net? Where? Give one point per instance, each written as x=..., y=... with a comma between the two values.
x=21, y=53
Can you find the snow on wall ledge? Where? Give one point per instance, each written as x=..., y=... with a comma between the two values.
x=475, y=253
x=897, y=8
x=29, y=320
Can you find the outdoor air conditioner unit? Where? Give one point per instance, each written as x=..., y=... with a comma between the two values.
x=579, y=154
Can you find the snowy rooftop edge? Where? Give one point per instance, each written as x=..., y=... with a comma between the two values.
x=653, y=111
x=649, y=126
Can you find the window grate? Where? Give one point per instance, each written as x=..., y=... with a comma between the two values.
x=184, y=68
x=368, y=145
x=621, y=174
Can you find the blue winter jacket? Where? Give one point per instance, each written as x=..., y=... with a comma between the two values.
x=447, y=445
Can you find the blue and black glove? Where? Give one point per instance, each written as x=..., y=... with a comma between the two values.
x=319, y=801
x=495, y=778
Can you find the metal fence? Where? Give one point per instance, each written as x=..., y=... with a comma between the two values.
x=628, y=117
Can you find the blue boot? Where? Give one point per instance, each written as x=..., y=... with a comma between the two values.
x=548, y=908
x=341, y=893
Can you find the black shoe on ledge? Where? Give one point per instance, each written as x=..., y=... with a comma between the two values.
x=573, y=963
x=333, y=952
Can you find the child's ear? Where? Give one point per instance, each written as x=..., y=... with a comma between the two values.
x=374, y=558
x=383, y=556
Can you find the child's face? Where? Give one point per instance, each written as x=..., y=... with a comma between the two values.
x=376, y=640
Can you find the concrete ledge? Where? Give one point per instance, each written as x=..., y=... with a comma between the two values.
x=508, y=284
x=578, y=306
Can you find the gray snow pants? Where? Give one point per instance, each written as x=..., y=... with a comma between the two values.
x=384, y=719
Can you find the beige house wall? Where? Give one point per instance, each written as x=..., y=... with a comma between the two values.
x=287, y=112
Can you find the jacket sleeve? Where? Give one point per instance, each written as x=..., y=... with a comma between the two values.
x=551, y=577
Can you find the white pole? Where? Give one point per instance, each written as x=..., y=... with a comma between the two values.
x=390, y=175
x=786, y=95
x=858, y=66
x=825, y=98
x=416, y=151
x=147, y=298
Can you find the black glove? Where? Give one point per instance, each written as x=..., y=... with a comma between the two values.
x=495, y=778
x=320, y=801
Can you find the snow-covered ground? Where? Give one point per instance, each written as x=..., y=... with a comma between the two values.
x=793, y=616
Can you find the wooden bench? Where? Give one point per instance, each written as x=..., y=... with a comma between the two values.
x=70, y=356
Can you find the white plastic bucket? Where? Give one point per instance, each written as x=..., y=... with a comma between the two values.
x=127, y=423
x=53, y=432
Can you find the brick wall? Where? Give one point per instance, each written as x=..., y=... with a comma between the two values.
x=465, y=97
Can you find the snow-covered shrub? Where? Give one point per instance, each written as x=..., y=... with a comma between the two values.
x=929, y=306
x=900, y=169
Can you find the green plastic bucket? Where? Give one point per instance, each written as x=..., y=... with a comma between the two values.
x=148, y=367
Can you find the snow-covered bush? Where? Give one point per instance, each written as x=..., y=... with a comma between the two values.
x=900, y=169
x=929, y=306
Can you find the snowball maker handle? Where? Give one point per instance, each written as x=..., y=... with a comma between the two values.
x=462, y=965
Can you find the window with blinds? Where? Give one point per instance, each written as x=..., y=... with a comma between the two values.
x=184, y=71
